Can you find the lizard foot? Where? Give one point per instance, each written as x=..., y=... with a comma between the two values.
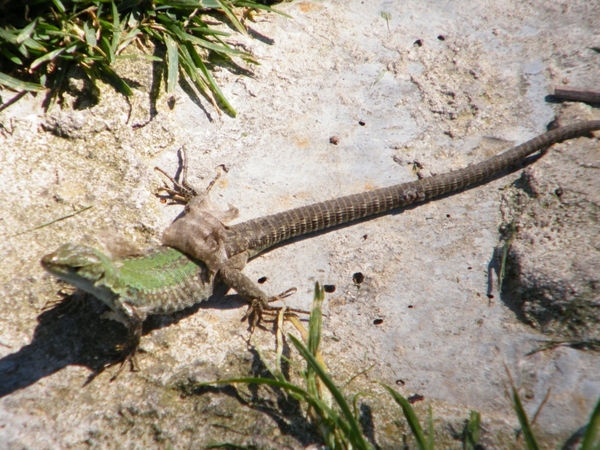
x=257, y=309
x=128, y=350
x=123, y=354
x=127, y=355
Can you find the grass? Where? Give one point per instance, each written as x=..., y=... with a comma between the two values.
x=41, y=40
x=338, y=422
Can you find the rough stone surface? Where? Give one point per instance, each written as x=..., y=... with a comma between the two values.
x=441, y=83
x=552, y=227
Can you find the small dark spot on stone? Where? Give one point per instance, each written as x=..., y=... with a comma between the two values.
x=490, y=296
x=329, y=288
x=448, y=216
x=171, y=102
x=558, y=192
x=400, y=382
x=479, y=322
x=358, y=278
x=361, y=123
x=418, y=43
x=410, y=306
x=415, y=398
x=441, y=37
x=262, y=280
x=334, y=140
x=469, y=268
x=377, y=321
x=365, y=237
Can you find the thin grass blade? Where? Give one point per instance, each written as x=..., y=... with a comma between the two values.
x=232, y=17
x=530, y=439
x=312, y=401
x=355, y=436
x=198, y=63
x=47, y=57
x=471, y=436
x=411, y=417
x=591, y=439
x=116, y=33
x=90, y=34
x=26, y=32
x=172, y=63
x=18, y=85
x=118, y=82
x=13, y=58
x=59, y=6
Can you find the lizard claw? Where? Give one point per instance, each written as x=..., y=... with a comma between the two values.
x=257, y=309
x=284, y=294
x=129, y=349
x=127, y=355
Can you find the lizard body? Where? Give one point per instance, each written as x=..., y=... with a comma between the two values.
x=166, y=280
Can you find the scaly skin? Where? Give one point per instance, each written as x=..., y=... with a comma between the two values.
x=165, y=280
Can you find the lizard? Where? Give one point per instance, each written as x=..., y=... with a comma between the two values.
x=199, y=249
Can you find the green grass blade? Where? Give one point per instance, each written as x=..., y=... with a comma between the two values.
x=47, y=57
x=257, y=380
x=11, y=56
x=229, y=13
x=314, y=337
x=172, y=63
x=118, y=82
x=316, y=320
x=146, y=57
x=471, y=436
x=411, y=417
x=59, y=6
x=105, y=48
x=530, y=439
x=199, y=64
x=591, y=439
x=189, y=67
x=34, y=45
x=13, y=83
x=430, y=433
x=26, y=32
x=116, y=33
x=263, y=7
x=90, y=34
x=354, y=435
x=183, y=3
x=311, y=400
x=8, y=36
x=178, y=32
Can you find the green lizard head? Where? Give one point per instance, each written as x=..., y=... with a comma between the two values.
x=84, y=267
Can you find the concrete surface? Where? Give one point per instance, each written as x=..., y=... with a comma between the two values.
x=445, y=83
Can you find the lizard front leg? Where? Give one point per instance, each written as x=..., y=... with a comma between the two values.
x=133, y=319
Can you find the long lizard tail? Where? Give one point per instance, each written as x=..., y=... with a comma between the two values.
x=258, y=234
